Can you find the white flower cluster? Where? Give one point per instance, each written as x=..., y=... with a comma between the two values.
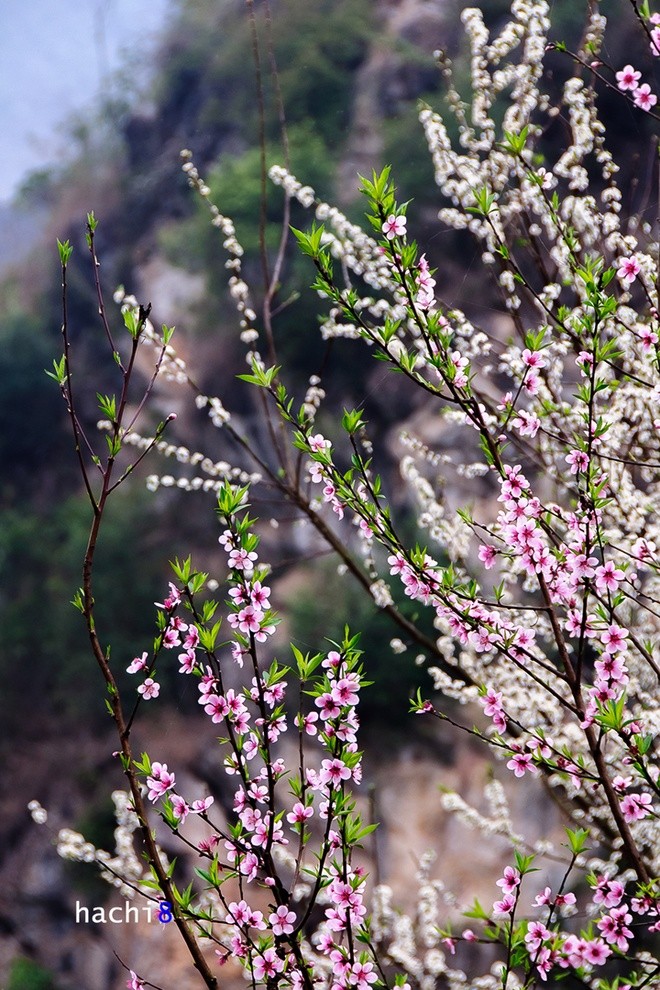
x=172, y=368
x=238, y=288
x=123, y=870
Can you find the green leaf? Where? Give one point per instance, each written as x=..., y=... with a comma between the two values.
x=476, y=911
x=107, y=405
x=515, y=143
x=352, y=420
x=59, y=371
x=65, y=251
x=208, y=637
x=260, y=376
x=486, y=202
x=310, y=243
x=577, y=839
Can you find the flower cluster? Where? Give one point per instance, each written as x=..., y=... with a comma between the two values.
x=628, y=78
x=542, y=589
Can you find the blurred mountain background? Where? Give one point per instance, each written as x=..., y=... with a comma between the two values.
x=99, y=99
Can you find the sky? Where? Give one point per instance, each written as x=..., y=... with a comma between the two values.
x=56, y=57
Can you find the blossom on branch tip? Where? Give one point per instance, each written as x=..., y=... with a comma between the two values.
x=655, y=37
x=644, y=98
x=628, y=78
x=394, y=226
x=150, y=689
x=173, y=599
x=629, y=269
x=636, y=806
x=139, y=663
x=521, y=763
x=160, y=781
x=282, y=921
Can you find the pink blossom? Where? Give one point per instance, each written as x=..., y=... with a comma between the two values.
x=216, y=707
x=612, y=669
x=608, y=577
x=306, y=722
x=259, y=596
x=134, y=982
x=334, y=772
x=595, y=952
x=315, y=472
x=333, y=660
x=248, y=619
x=521, y=763
x=318, y=443
x=655, y=38
x=629, y=269
x=509, y=881
x=609, y=893
x=180, y=808
x=139, y=663
x=150, y=689
x=580, y=565
x=506, y=905
x=537, y=933
x=299, y=814
x=492, y=702
x=628, y=78
x=259, y=792
x=526, y=423
x=425, y=295
x=344, y=691
x=532, y=383
x=648, y=338
x=160, y=781
x=282, y=921
x=584, y=361
x=544, y=898
x=614, y=638
x=578, y=460
x=267, y=965
x=187, y=661
x=548, y=180
x=328, y=705
x=394, y=226
x=636, y=806
x=614, y=927
x=363, y=974
x=533, y=359
x=620, y=784
x=645, y=100
x=240, y=913
x=242, y=560
x=487, y=555
x=226, y=540
x=171, y=638
x=172, y=600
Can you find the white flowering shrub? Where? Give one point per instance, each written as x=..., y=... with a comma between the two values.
x=545, y=601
